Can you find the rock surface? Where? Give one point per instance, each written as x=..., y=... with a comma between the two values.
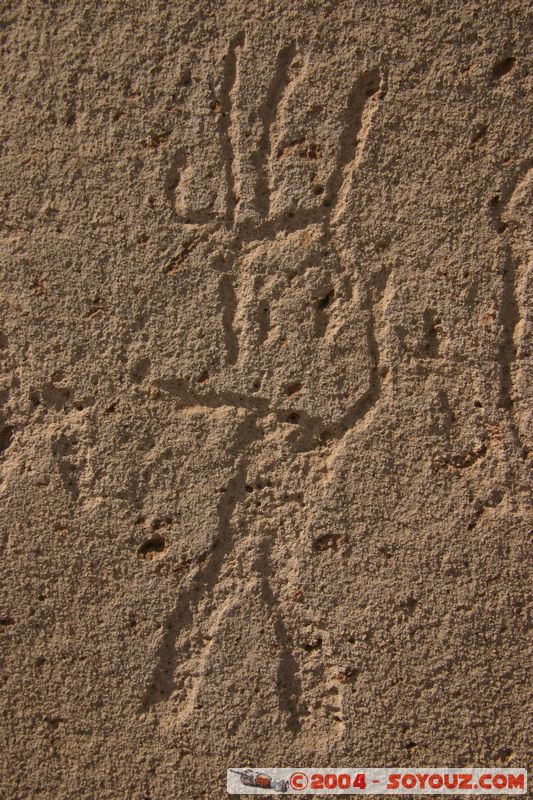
x=265, y=376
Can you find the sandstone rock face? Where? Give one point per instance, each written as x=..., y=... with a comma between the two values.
x=265, y=390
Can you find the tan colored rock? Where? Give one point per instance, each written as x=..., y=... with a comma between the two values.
x=265, y=387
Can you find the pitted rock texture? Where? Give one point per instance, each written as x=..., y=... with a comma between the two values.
x=265, y=390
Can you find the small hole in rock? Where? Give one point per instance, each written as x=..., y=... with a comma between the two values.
x=6, y=435
x=325, y=301
x=293, y=418
x=503, y=67
x=292, y=388
x=478, y=134
x=152, y=547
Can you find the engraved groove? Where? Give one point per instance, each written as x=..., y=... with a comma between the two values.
x=162, y=683
x=229, y=80
x=357, y=119
x=267, y=113
x=513, y=277
x=228, y=299
x=323, y=440
x=288, y=679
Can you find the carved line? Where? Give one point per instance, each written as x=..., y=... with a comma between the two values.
x=229, y=80
x=181, y=619
x=201, y=659
x=315, y=429
x=267, y=113
x=228, y=300
x=360, y=109
x=288, y=680
x=358, y=118
x=510, y=314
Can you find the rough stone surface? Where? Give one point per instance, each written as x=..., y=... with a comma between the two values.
x=265, y=374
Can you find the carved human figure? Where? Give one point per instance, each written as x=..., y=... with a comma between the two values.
x=301, y=360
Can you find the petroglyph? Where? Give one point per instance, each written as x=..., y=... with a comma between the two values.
x=265, y=390
x=290, y=294
x=512, y=215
